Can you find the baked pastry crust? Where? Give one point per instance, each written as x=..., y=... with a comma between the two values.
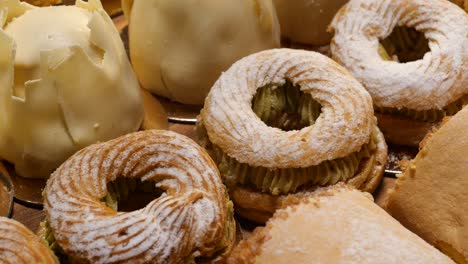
x=431, y=197
x=188, y=220
x=20, y=246
x=438, y=79
x=334, y=225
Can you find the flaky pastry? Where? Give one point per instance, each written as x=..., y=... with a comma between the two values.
x=65, y=83
x=179, y=48
x=423, y=90
x=285, y=121
x=19, y=245
x=192, y=219
x=334, y=225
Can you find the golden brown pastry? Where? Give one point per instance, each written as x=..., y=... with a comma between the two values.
x=66, y=82
x=284, y=121
x=18, y=245
x=431, y=197
x=306, y=21
x=190, y=220
x=179, y=48
x=43, y=2
x=425, y=80
x=334, y=225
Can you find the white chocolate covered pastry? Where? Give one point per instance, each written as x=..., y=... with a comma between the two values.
x=179, y=48
x=192, y=219
x=284, y=121
x=65, y=83
x=423, y=90
x=306, y=21
x=19, y=245
x=334, y=225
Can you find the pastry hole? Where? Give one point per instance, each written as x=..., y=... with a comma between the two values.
x=404, y=44
x=285, y=106
x=126, y=195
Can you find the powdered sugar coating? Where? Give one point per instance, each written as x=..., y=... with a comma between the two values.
x=188, y=219
x=19, y=245
x=343, y=127
x=433, y=82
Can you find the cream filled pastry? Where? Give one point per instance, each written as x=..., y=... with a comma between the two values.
x=65, y=83
x=285, y=121
x=306, y=21
x=191, y=219
x=179, y=48
x=19, y=245
x=334, y=225
x=424, y=80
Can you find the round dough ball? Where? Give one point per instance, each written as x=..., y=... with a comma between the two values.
x=180, y=47
x=65, y=83
x=306, y=21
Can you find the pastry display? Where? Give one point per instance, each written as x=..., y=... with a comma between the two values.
x=334, y=225
x=190, y=220
x=461, y=3
x=179, y=48
x=410, y=94
x=43, y=2
x=20, y=246
x=306, y=21
x=66, y=82
x=431, y=197
x=285, y=121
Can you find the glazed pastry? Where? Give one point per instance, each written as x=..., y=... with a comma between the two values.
x=412, y=96
x=19, y=245
x=334, y=225
x=66, y=83
x=191, y=220
x=284, y=121
x=179, y=48
x=306, y=21
x=438, y=174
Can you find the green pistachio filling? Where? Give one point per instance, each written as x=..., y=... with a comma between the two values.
x=407, y=44
x=119, y=193
x=287, y=108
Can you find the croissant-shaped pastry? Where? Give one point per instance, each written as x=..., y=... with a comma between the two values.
x=192, y=219
x=284, y=121
x=21, y=246
x=413, y=95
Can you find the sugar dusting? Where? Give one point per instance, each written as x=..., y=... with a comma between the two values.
x=190, y=215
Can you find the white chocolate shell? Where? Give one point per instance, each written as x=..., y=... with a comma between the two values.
x=306, y=21
x=433, y=82
x=18, y=245
x=65, y=83
x=344, y=125
x=187, y=220
x=179, y=48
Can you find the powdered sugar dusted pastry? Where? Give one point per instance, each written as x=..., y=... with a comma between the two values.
x=19, y=245
x=66, y=83
x=284, y=121
x=334, y=225
x=179, y=48
x=424, y=90
x=191, y=220
x=306, y=21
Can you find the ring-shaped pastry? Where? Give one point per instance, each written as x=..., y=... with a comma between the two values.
x=433, y=82
x=189, y=220
x=19, y=245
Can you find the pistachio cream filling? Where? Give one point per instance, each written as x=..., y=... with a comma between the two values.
x=404, y=45
x=287, y=108
x=120, y=193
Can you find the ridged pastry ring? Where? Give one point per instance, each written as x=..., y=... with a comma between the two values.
x=187, y=220
x=343, y=127
x=19, y=245
x=433, y=82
